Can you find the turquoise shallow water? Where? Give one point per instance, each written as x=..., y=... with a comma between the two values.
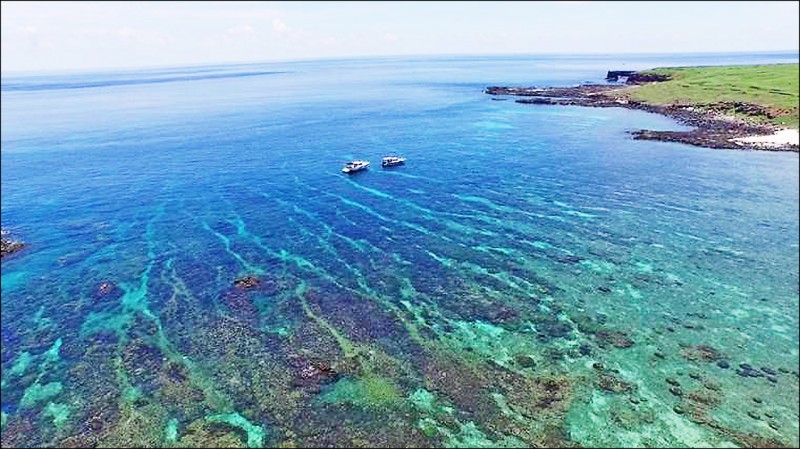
x=532, y=276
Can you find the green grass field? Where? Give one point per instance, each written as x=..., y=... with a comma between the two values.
x=774, y=86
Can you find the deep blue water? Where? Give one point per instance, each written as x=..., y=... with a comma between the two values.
x=518, y=243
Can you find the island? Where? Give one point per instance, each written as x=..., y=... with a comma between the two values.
x=728, y=107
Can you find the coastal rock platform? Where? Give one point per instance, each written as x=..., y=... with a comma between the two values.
x=712, y=126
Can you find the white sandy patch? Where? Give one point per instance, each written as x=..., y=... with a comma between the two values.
x=780, y=138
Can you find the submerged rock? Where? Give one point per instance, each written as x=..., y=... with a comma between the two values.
x=525, y=361
x=569, y=259
x=701, y=353
x=613, y=384
x=247, y=282
x=205, y=433
x=617, y=339
x=709, y=398
x=240, y=305
x=629, y=417
x=143, y=364
x=549, y=328
x=746, y=370
x=554, y=354
x=769, y=371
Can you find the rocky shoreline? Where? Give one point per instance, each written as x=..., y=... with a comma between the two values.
x=712, y=127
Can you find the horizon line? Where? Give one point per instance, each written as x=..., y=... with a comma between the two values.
x=111, y=69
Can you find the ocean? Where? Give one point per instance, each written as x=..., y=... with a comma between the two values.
x=532, y=276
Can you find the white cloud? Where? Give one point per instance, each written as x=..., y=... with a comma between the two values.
x=279, y=26
x=241, y=30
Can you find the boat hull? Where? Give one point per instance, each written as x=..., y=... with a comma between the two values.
x=355, y=169
x=392, y=163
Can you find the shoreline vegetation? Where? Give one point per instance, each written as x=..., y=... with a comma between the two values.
x=728, y=107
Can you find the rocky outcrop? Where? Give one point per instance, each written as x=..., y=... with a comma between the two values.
x=247, y=282
x=8, y=244
x=615, y=75
x=634, y=77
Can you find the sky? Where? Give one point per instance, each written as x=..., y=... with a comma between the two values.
x=51, y=36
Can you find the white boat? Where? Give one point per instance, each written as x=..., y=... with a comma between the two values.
x=354, y=166
x=390, y=161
